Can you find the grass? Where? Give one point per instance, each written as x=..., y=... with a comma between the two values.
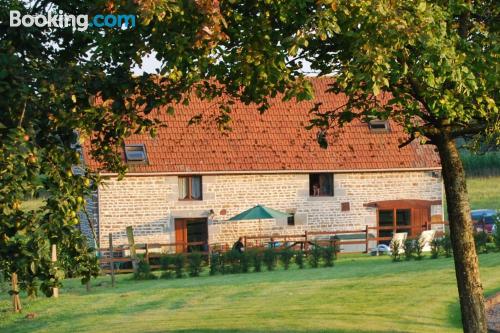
x=484, y=192
x=359, y=294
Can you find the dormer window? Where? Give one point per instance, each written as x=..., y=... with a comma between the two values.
x=136, y=154
x=378, y=125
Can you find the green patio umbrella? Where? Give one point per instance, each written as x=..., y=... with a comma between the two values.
x=259, y=212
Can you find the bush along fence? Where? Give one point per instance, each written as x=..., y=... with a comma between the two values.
x=141, y=260
x=413, y=248
x=264, y=252
x=192, y=264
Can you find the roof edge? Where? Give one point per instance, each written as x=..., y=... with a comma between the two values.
x=251, y=172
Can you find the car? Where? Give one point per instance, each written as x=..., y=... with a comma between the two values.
x=484, y=219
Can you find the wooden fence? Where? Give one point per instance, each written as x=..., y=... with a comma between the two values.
x=308, y=238
x=111, y=259
x=129, y=254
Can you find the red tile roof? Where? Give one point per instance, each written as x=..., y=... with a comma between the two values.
x=276, y=140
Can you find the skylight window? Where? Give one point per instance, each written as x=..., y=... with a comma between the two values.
x=136, y=153
x=378, y=125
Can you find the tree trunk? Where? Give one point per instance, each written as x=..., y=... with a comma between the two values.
x=470, y=289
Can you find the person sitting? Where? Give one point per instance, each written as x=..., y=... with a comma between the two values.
x=316, y=189
x=238, y=245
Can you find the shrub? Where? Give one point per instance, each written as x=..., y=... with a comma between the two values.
x=143, y=271
x=435, y=248
x=179, y=261
x=480, y=240
x=195, y=260
x=419, y=247
x=286, y=257
x=232, y=259
x=299, y=259
x=409, y=249
x=446, y=245
x=496, y=234
x=329, y=255
x=257, y=262
x=214, y=263
x=224, y=262
x=270, y=259
x=245, y=261
x=3, y=283
x=396, y=246
x=166, y=262
x=315, y=256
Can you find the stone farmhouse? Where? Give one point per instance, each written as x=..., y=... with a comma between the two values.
x=184, y=185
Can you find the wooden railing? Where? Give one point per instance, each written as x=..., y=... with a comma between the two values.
x=109, y=256
x=127, y=255
x=308, y=238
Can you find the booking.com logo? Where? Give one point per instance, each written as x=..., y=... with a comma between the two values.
x=78, y=22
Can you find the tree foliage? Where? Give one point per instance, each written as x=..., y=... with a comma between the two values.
x=431, y=66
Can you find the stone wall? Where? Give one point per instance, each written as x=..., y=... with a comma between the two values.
x=150, y=203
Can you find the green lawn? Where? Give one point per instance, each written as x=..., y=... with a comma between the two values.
x=359, y=294
x=484, y=192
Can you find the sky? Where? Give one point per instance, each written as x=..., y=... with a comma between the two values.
x=150, y=64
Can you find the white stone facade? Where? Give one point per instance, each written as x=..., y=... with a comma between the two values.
x=150, y=203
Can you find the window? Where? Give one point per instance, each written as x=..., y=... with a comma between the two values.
x=378, y=125
x=393, y=221
x=135, y=154
x=291, y=219
x=190, y=188
x=321, y=184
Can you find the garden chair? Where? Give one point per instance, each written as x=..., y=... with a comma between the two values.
x=399, y=237
x=387, y=249
x=426, y=238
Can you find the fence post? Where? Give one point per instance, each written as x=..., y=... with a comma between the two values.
x=245, y=241
x=53, y=259
x=16, y=302
x=111, y=263
x=146, y=255
x=305, y=241
x=131, y=244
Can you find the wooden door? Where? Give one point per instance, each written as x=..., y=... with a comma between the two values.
x=180, y=235
x=420, y=219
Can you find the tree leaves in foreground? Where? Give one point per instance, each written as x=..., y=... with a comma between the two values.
x=431, y=66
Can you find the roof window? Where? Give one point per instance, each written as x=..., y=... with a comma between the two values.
x=378, y=125
x=136, y=153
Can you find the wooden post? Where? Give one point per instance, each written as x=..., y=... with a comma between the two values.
x=111, y=263
x=131, y=244
x=245, y=242
x=146, y=256
x=305, y=241
x=53, y=258
x=366, y=238
x=16, y=301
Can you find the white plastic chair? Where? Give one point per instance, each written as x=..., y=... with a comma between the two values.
x=426, y=238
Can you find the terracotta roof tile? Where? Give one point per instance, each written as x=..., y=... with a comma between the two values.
x=276, y=140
